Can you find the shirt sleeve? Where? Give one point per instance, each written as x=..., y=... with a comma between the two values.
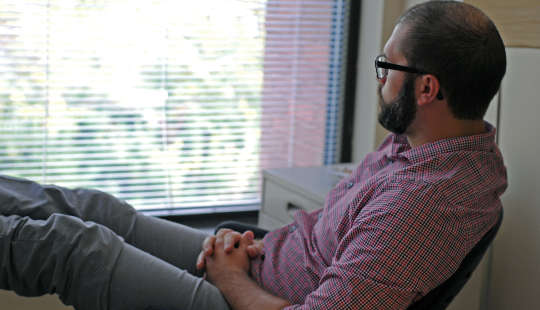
x=403, y=243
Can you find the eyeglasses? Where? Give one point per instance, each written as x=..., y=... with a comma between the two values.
x=382, y=67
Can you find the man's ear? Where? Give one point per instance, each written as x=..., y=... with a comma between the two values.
x=427, y=88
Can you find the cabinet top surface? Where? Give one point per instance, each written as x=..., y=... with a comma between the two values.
x=315, y=182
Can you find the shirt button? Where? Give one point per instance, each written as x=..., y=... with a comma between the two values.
x=320, y=215
x=350, y=184
x=292, y=228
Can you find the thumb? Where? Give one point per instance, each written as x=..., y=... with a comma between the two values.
x=255, y=249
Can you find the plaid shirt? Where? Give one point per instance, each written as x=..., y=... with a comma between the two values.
x=397, y=227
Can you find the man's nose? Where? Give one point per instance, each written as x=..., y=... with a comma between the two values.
x=382, y=81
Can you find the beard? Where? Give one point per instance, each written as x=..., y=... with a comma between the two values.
x=397, y=115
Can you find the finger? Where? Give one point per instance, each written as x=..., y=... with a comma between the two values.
x=219, y=236
x=223, y=231
x=219, y=241
x=208, y=245
x=249, y=236
x=255, y=249
x=231, y=240
x=247, y=239
x=200, y=261
x=251, y=251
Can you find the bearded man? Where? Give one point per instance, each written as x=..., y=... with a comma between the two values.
x=393, y=230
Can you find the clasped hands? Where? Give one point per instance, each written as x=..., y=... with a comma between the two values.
x=228, y=252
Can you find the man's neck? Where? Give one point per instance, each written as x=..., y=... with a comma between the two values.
x=453, y=129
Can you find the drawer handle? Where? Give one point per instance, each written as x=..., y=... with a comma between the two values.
x=292, y=209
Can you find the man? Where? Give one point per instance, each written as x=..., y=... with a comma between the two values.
x=397, y=227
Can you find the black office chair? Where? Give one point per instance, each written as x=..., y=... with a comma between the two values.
x=440, y=297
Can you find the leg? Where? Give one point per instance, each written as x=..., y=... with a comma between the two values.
x=174, y=243
x=90, y=267
x=61, y=255
x=142, y=279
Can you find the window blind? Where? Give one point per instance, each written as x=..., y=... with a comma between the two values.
x=173, y=106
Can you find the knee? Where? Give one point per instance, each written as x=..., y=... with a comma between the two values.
x=67, y=234
x=95, y=203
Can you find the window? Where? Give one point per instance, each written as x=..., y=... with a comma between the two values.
x=173, y=106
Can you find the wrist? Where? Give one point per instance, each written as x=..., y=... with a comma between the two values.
x=231, y=276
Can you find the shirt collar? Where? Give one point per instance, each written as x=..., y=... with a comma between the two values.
x=480, y=142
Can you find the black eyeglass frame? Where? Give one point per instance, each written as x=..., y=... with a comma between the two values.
x=390, y=66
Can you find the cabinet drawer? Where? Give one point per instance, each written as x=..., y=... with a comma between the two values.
x=281, y=203
x=268, y=222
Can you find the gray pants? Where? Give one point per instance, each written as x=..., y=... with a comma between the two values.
x=96, y=252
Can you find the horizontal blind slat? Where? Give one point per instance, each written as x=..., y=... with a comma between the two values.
x=165, y=112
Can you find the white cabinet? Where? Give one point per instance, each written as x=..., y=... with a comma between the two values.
x=287, y=190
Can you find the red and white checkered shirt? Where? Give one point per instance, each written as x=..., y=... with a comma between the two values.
x=397, y=227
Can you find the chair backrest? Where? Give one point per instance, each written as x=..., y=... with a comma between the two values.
x=440, y=297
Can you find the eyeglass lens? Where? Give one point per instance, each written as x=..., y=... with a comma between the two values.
x=381, y=72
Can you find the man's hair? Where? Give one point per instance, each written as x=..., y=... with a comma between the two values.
x=461, y=46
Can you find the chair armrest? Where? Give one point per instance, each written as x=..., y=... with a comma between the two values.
x=241, y=227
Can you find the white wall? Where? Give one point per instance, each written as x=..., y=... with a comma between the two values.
x=515, y=270
x=370, y=44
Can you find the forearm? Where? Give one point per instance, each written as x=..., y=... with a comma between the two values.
x=243, y=293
